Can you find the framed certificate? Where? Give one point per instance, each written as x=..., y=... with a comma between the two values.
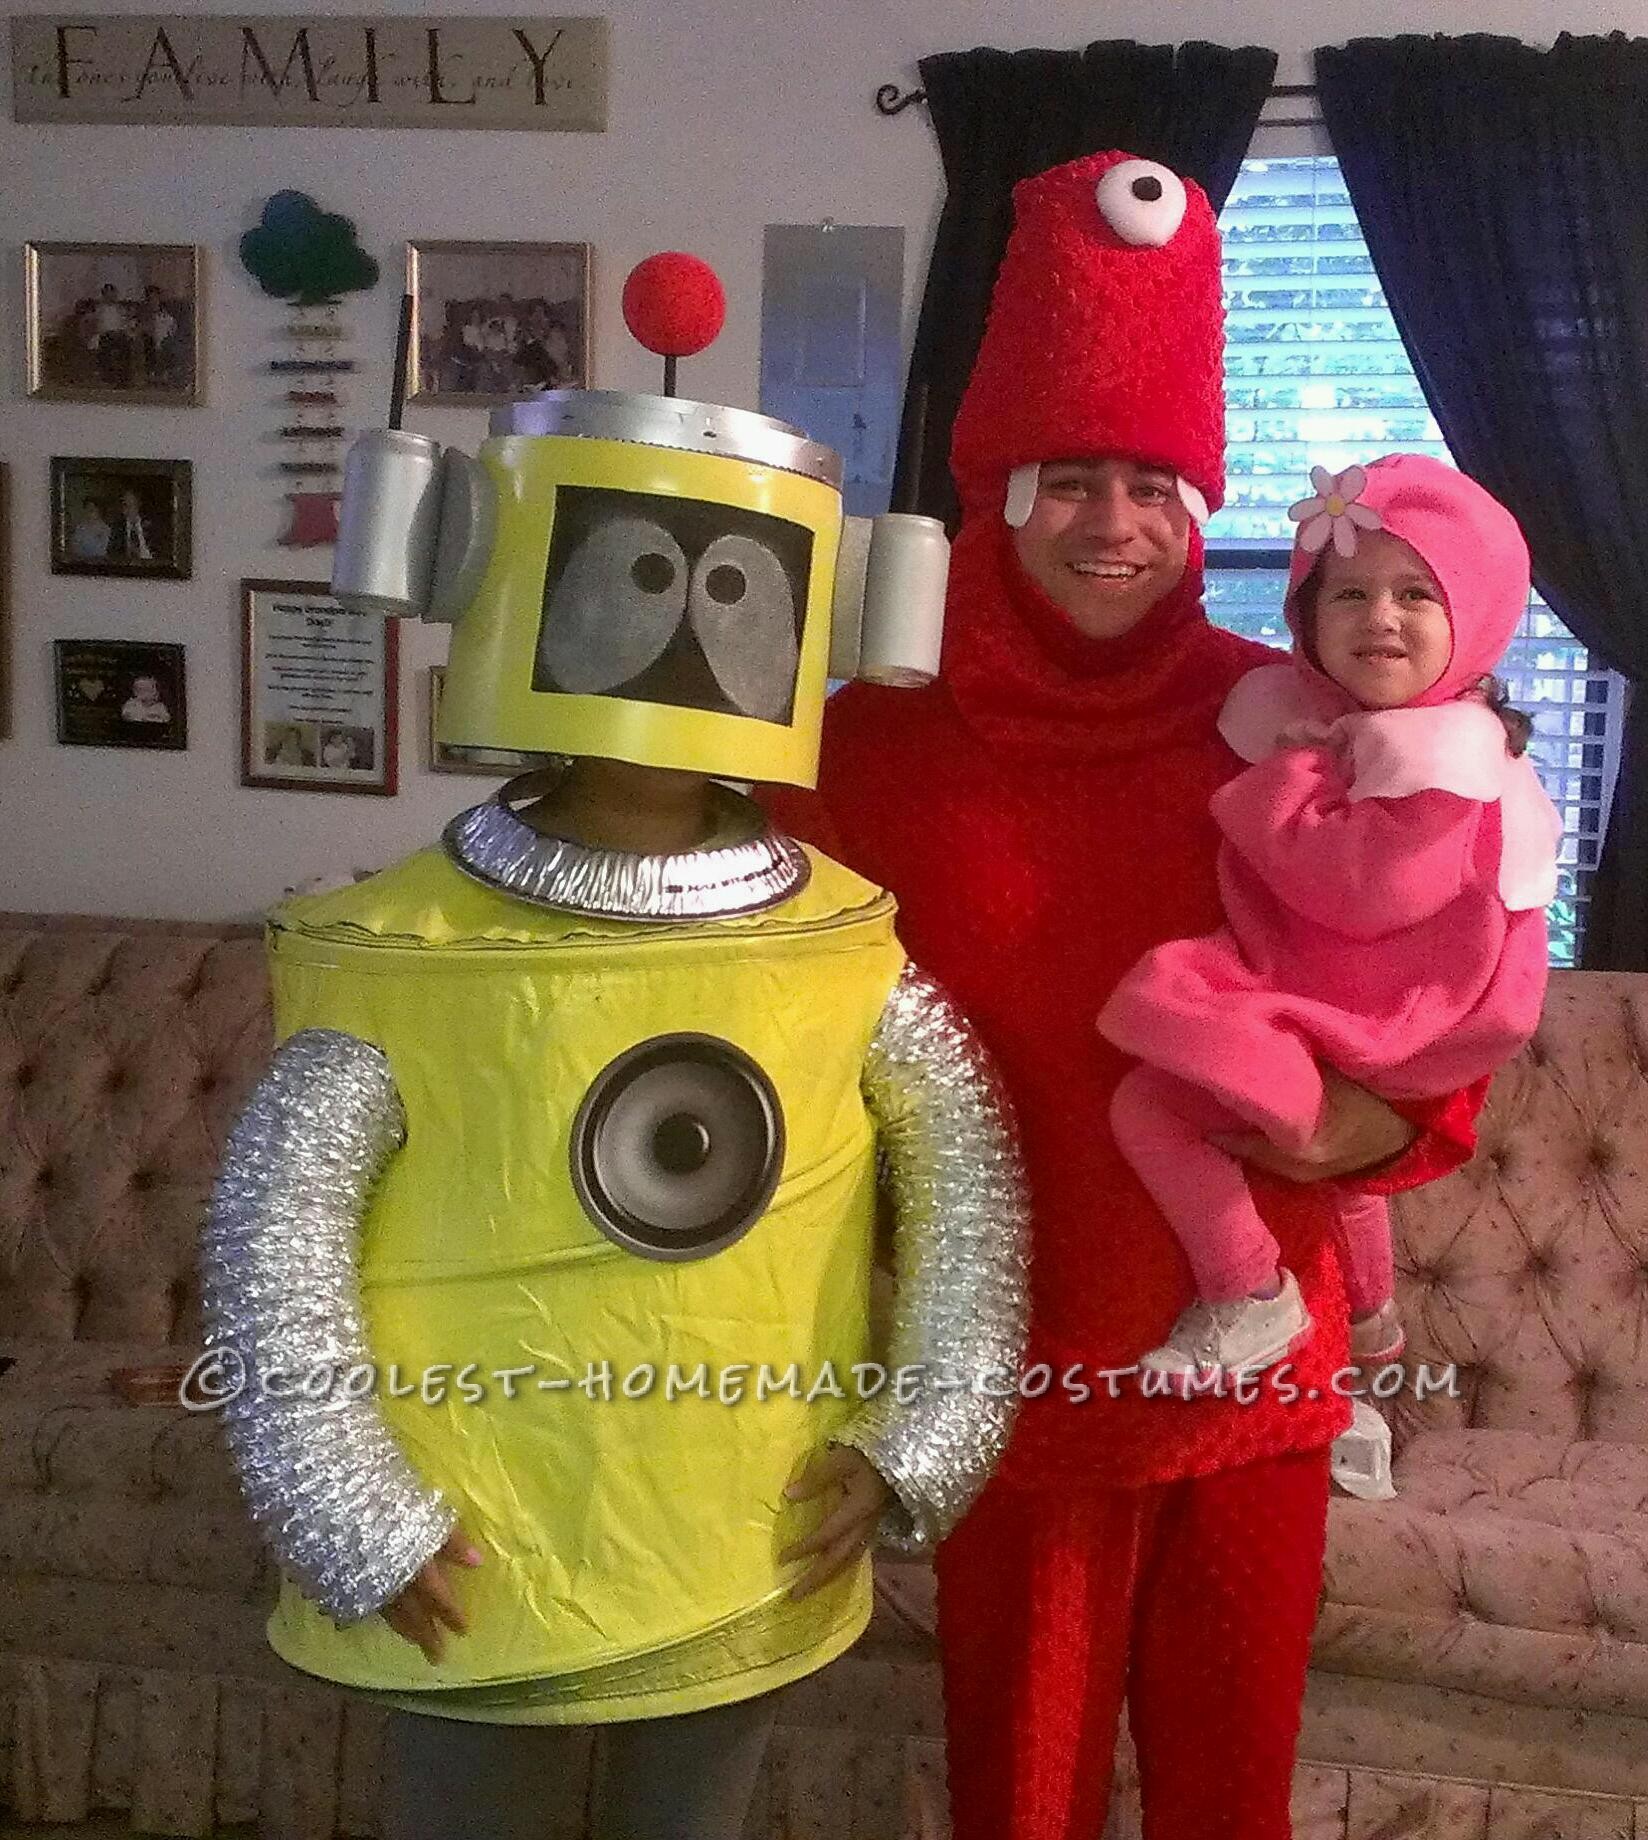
x=319, y=692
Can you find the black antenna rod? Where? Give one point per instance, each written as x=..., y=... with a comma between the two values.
x=397, y=384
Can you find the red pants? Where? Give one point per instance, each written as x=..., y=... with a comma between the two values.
x=1195, y=1599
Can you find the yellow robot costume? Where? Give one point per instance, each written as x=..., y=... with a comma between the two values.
x=554, y=1216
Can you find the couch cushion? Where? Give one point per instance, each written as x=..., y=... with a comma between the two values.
x=93, y=1488
x=1528, y=1269
x=126, y=1050
x=1510, y=1564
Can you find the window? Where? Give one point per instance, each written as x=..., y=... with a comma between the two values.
x=1315, y=373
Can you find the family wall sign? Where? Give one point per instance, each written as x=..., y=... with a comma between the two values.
x=357, y=72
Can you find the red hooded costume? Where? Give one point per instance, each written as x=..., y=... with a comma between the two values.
x=1042, y=815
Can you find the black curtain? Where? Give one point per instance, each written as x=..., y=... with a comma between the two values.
x=1504, y=194
x=1001, y=116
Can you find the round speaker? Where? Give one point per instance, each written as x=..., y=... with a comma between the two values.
x=678, y=1146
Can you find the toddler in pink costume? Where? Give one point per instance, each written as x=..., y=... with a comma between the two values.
x=1384, y=867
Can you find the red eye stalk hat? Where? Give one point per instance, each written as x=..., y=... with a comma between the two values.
x=1105, y=336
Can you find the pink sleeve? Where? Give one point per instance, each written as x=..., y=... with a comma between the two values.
x=1362, y=869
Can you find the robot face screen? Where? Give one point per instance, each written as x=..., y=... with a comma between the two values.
x=673, y=600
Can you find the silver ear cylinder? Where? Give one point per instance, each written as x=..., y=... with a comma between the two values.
x=905, y=577
x=388, y=523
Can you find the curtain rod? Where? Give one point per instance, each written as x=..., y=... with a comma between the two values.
x=890, y=100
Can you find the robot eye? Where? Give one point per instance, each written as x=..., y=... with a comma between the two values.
x=742, y=607
x=1143, y=202
x=612, y=609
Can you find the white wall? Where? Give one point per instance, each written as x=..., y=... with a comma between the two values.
x=725, y=115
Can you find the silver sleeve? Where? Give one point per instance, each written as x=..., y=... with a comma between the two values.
x=344, y=1511
x=961, y=1255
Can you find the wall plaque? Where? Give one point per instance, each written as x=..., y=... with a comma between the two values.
x=295, y=71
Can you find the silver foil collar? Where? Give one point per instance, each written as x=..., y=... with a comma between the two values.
x=346, y=1514
x=757, y=869
x=962, y=1253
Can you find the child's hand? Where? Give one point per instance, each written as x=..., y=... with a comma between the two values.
x=847, y=1530
x=416, y=1615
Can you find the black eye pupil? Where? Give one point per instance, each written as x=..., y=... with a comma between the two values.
x=652, y=573
x=681, y=1144
x=1147, y=190
x=725, y=584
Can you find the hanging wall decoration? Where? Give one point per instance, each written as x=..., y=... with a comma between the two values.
x=310, y=258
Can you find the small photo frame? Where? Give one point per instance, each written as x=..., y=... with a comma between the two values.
x=114, y=322
x=120, y=693
x=122, y=517
x=320, y=692
x=495, y=321
x=483, y=763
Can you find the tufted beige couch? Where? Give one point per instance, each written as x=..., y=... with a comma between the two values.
x=1481, y=1670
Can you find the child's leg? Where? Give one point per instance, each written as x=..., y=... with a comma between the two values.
x=689, y=1777
x=1364, y=1233
x=450, y=1779
x=1162, y=1125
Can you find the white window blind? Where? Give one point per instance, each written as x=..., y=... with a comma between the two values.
x=1316, y=374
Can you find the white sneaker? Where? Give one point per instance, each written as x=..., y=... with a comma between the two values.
x=1232, y=1338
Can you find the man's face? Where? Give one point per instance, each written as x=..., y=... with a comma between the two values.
x=1106, y=540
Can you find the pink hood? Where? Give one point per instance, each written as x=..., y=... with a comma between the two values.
x=1472, y=545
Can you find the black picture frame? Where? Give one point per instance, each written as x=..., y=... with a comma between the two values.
x=130, y=519
x=100, y=696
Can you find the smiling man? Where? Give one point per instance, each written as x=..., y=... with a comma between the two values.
x=1041, y=813
x=1106, y=539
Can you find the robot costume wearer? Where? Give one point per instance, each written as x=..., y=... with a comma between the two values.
x=570, y=1153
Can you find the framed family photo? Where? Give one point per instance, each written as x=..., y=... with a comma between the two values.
x=114, y=322
x=493, y=321
x=484, y=763
x=122, y=517
x=320, y=690
x=120, y=693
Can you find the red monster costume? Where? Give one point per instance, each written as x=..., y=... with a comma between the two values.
x=1042, y=815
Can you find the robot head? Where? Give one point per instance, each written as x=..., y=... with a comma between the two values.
x=641, y=577
x=658, y=589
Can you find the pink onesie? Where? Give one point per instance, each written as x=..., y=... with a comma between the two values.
x=1383, y=907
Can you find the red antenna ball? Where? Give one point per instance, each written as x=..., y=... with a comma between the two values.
x=674, y=303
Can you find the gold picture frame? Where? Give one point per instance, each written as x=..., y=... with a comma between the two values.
x=494, y=321
x=115, y=322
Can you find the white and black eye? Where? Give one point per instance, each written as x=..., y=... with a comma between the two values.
x=1143, y=202
x=742, y=607
x=613, y=608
